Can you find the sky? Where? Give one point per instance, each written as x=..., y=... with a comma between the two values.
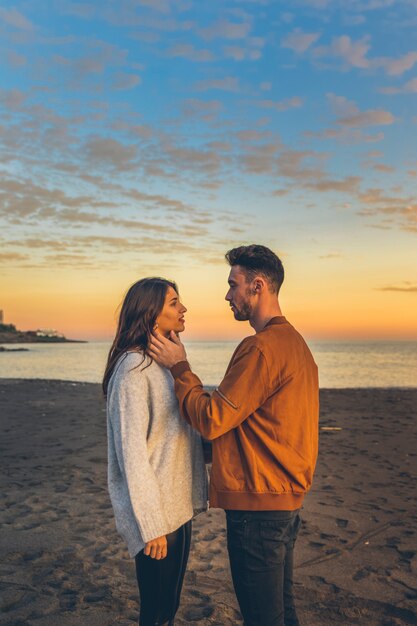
x=148, y=137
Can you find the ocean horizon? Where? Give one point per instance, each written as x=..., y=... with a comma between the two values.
x=342, y=364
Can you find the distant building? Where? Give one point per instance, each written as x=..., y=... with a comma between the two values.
x=1, y=317
x=48, y=332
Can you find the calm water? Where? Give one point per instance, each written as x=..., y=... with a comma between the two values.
x=350, y=364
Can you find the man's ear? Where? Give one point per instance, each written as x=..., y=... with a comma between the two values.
x=257, y=286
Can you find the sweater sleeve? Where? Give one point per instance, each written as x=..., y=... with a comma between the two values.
x=244, y=388
x=130, y=415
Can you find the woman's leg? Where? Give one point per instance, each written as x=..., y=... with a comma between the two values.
x=186, y=542
x=160, y=582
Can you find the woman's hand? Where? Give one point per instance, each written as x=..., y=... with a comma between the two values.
x=157, y=548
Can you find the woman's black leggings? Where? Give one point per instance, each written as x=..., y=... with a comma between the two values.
x=160, y=582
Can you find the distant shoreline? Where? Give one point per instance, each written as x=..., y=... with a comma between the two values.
x=3, y=349
x=10, y=334
x=40, y=340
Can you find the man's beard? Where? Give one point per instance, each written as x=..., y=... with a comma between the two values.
x=243, y=314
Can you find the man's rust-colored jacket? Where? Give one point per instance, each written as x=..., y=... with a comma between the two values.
x=263, y=420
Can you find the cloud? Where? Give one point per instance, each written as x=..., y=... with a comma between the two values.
x=76, y=216
x=252, y=135
x=155, y=14
x=187, y=159
x=354, y=5
x=109, y=151
x=95, y=251
x=373, y=117
x=22, y=200
x=280, y=192
x=350, y=184
x=376, y=196
x=371, y=5
x=350, y=121
x=224, y=29
x=349, y=115
x=84, y=10
x=396, y=210
x=164, y=6
x=279, y=161
x=287, y=17
x=229, y=83
x=265, y=86
x=16, y=19
x=138, y=130
x=396, y=67
x=194, y=106
x=12, y=256
x=331, y=255
x=188, y=51
x=354, y=20
x=353, y=53
x=299, y=41
x=374, y=154
x=405, y=288
x=380, y=167
x=261, y=159
x=345, y=135
x=16, y=60
x=62, y=259
x=12, y=98
x=408, y=87
x=51, y=244
x=240, y=54
x=145, y=36
x=281, y=105
x=126, y=81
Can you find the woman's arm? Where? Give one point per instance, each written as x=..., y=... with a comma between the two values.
x=130, y=415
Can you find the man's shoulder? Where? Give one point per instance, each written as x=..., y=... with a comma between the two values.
x=250, y=347
x=278, y=336
x=248, y=343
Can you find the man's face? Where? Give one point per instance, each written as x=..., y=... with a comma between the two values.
x=239, y=294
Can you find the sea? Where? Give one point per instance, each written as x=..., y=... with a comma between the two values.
x=341, y=364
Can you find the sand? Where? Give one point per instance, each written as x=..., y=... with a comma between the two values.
x=63, y=564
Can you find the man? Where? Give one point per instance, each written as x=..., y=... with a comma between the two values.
x=263, y=422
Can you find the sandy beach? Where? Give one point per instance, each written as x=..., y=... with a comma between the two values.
x=63, y=564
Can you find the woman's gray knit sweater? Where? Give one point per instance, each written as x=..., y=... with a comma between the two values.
x=156, y=473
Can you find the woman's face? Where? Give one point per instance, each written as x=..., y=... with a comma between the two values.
x=172, y=315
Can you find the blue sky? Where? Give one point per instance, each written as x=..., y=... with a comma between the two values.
x=149, y=136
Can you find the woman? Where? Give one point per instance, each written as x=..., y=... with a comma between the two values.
x=156, y=472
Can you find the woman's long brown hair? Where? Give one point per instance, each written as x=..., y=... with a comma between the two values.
x=141, y=306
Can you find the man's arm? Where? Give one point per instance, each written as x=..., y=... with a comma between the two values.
x=244, y=388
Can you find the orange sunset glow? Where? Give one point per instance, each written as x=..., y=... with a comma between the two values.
x=152, y=141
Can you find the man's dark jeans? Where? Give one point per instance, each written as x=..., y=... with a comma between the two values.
x=261, y=547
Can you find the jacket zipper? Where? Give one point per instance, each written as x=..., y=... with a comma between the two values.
x=229, y=402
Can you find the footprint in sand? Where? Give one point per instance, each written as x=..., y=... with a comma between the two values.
x=360, y=574
x=68, y=600
x=342, y=523
x=194, y=613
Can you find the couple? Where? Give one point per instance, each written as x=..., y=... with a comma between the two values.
x=263, y=424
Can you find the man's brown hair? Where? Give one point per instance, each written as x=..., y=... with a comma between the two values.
x=258, y=260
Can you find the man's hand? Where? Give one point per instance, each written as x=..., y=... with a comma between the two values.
x=157, y=548
x=166, y=352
